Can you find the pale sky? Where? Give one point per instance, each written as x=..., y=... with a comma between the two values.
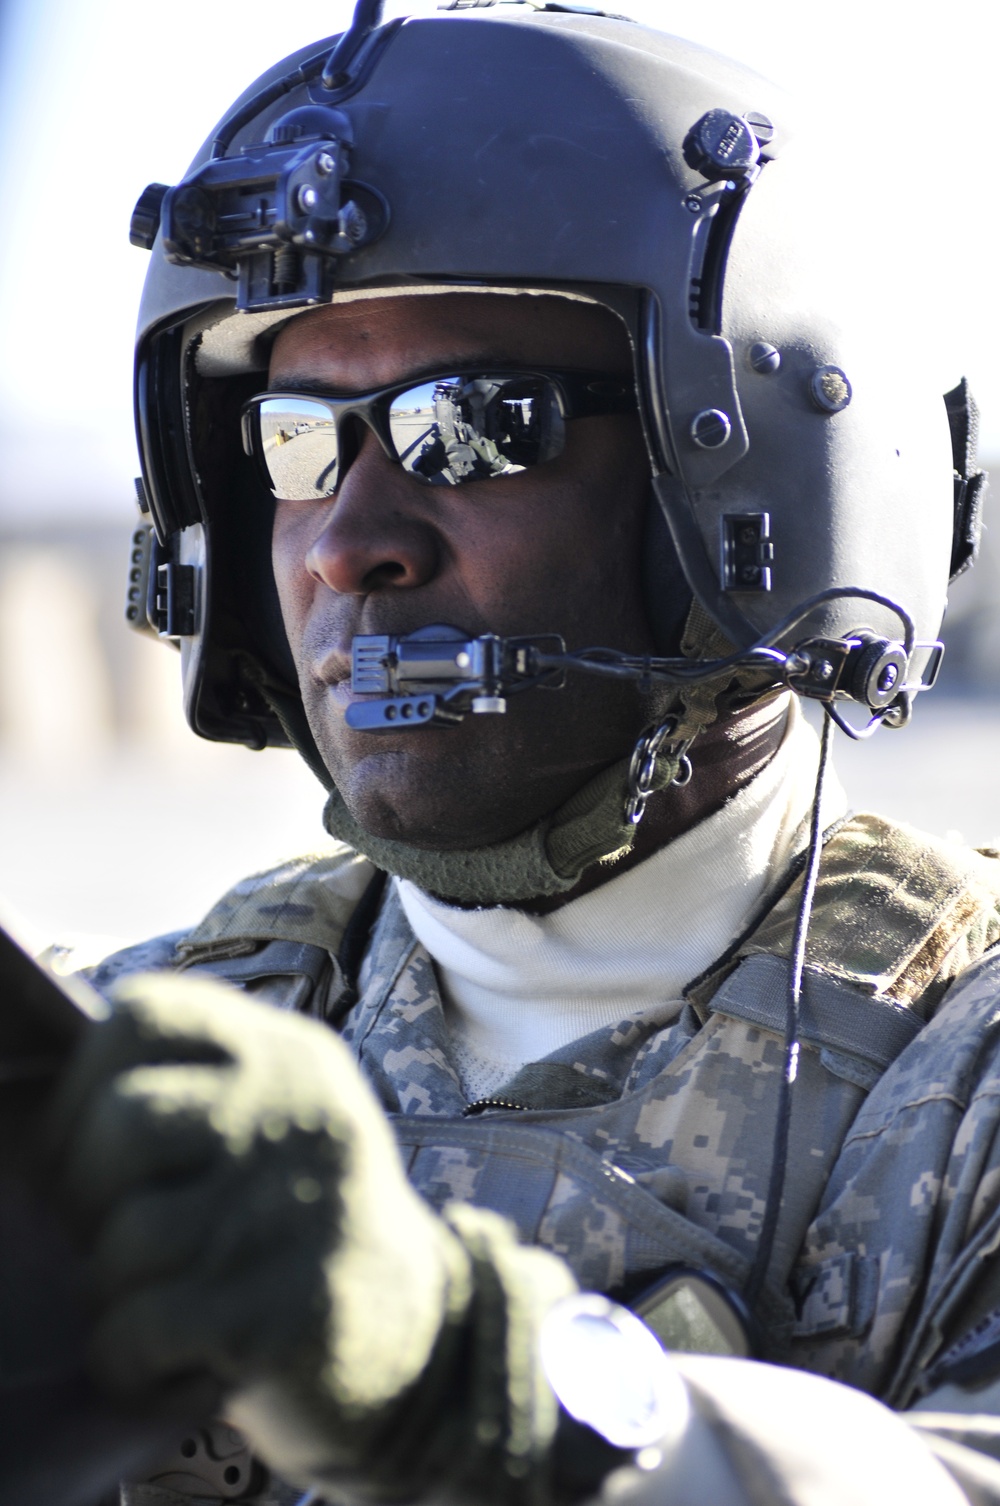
x=99, y=97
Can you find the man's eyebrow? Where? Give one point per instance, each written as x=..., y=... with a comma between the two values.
x=443, y=366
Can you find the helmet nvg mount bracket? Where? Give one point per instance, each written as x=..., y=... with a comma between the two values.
x=818, y=495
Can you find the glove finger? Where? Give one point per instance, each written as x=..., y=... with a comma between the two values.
x=191, y=1399
x=159, y=1335
x=154, y=1233
x=230, y=1330
x=221, y=1220
x=145, y=1028
x=149, y=1123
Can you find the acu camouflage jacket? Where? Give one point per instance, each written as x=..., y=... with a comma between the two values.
x=649, y=1144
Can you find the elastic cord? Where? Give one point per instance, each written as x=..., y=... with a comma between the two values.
x=779, y=1157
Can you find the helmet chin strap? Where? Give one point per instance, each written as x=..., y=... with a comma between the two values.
x=596, y=825
x=549, y=858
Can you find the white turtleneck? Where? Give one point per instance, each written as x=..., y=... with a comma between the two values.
x=516, y=987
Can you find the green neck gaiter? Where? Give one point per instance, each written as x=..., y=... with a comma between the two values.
x=548, y=858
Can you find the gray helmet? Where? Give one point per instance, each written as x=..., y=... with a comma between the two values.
x=804, y=470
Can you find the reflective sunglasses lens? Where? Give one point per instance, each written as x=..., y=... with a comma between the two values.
x=465, y=428
x=298, y=440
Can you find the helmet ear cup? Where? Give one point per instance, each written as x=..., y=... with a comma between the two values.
x=246, y=625
x=665, y=592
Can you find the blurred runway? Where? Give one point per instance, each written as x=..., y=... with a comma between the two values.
x=132, y=845
x=129, y=844
x=940, y=773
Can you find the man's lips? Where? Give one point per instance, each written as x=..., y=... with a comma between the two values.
x=331, y=674
x=333, y=668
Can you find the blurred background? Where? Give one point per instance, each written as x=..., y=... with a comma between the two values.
x=115, y=821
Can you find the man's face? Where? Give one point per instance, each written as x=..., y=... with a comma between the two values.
x=554, y=548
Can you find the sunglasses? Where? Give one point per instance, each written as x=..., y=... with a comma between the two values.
x=443, y=430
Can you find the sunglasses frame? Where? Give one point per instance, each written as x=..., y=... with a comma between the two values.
x=580, y=394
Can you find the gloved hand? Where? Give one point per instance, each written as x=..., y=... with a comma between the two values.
x=249, y=1224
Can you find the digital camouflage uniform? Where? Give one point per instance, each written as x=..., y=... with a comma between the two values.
x=649, y=1144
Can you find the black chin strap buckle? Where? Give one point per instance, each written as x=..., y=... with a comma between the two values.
x=642, y=770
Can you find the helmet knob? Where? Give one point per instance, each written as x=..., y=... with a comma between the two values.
x=877, y=673
x=146, y=215
x=722, y=145
x=310, y=123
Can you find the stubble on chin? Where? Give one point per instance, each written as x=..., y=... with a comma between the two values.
x=476, y=784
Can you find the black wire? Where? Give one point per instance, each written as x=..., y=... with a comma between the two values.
x=767, y=902
x=858, y=734
x=367, y=18
x=259, y=102
x=779, y=1156
x=669, y=671
x=354, y=944
x=844, y=593
x=758, y=655
x=304, y=74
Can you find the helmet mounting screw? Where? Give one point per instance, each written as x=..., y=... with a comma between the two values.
x=710, y=428
x=764, y=358
x=326, y=164
x=761, y=126
x=307, y=197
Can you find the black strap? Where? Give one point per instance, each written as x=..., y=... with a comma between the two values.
x=970, y=481
x=354, y=944
x=834, y=1014
x=282, y=958
x=274, y=959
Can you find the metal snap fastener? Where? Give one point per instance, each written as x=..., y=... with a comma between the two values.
x=710, y=428
x=830, y=390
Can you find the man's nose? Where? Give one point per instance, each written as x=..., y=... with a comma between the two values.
x=374, y=537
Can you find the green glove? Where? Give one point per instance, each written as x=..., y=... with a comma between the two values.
x=250, y=1226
